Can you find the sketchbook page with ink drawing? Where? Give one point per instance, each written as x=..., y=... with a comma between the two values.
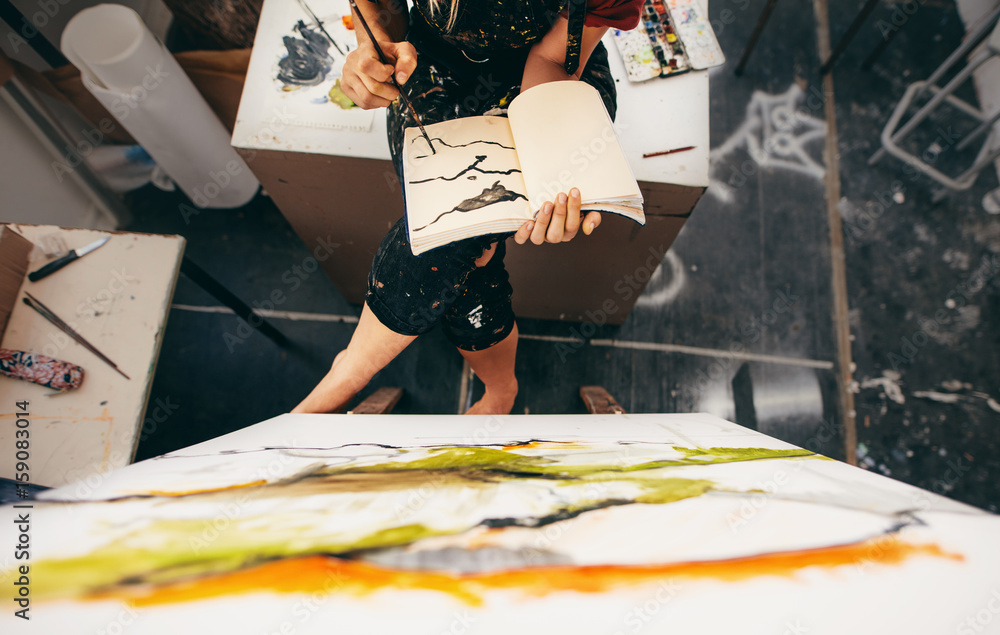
x=471, y=186
x=564, y=139
x=489, y=174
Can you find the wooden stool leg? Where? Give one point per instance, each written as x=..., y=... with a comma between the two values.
x=599, y=401
x=380, y=402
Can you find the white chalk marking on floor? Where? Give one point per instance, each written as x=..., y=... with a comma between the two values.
x=645, y=346
x=271, y=313
x=688, y=350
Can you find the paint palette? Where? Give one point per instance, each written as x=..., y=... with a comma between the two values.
x=693, y=29
x=637, y=52
x=672, y=37
x=667, y=46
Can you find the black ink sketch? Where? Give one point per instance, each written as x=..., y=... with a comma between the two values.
x=496, y=193
x=474, y=167
x=463, y=145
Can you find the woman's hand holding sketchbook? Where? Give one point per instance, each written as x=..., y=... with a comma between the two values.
x=492, y=174
x=558, y=221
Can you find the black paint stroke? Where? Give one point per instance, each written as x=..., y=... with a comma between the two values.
x=479, y=159
x=308, y=61
x=494, y=194
x=464, y=145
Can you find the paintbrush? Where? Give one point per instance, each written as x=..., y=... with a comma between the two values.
x=47, y=313
x=663, y=152
x=385, y=60
x=319, y=23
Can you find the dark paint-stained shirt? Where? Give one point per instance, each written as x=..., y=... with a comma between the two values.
x=489, y=27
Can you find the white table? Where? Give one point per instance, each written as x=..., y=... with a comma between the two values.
x=118, y=298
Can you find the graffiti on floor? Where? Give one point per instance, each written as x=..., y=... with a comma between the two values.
x=777, y=135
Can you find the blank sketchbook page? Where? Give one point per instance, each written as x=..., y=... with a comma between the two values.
x=565, y=139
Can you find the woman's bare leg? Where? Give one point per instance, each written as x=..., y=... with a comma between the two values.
x=372, y=346
x=495, y=367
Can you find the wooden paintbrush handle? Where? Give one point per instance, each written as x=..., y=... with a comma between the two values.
x=40, y=369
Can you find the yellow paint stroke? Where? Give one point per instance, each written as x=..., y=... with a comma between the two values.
x=545, y=445
x=332, y=575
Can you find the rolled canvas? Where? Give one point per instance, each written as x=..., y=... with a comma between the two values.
x=141, y=84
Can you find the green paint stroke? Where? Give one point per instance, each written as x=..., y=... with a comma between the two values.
x=171, y=550
x=177, y=555
x=492, y=460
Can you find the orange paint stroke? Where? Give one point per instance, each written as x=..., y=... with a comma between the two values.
x=313, y=574
x=104, y=416
x=107, y=443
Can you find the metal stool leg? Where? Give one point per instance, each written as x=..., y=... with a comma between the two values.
x=980, y=129
x=214, y=288
x=848, y=36
x=934, y=102
x=878, y=50
x=761, y=21
x=973, y=40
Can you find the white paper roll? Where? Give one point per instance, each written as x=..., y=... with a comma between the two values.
x=141, y=84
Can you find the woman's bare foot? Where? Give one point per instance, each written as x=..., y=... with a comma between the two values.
x=495, y=401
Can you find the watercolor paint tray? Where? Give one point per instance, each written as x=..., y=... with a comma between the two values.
x=692, y=27
x=655, y=48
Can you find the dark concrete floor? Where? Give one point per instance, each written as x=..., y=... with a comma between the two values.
x=738, y=321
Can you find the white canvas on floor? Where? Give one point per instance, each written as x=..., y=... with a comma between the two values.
x=595, y=524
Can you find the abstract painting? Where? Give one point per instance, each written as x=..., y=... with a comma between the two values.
x=593, y=524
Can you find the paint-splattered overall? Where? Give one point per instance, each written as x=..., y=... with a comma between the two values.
x=473, y=69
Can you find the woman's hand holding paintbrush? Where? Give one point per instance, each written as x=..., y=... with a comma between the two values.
x=374, y=79
x=366, y=79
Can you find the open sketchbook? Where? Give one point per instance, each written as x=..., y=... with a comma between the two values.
x=491, y=174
